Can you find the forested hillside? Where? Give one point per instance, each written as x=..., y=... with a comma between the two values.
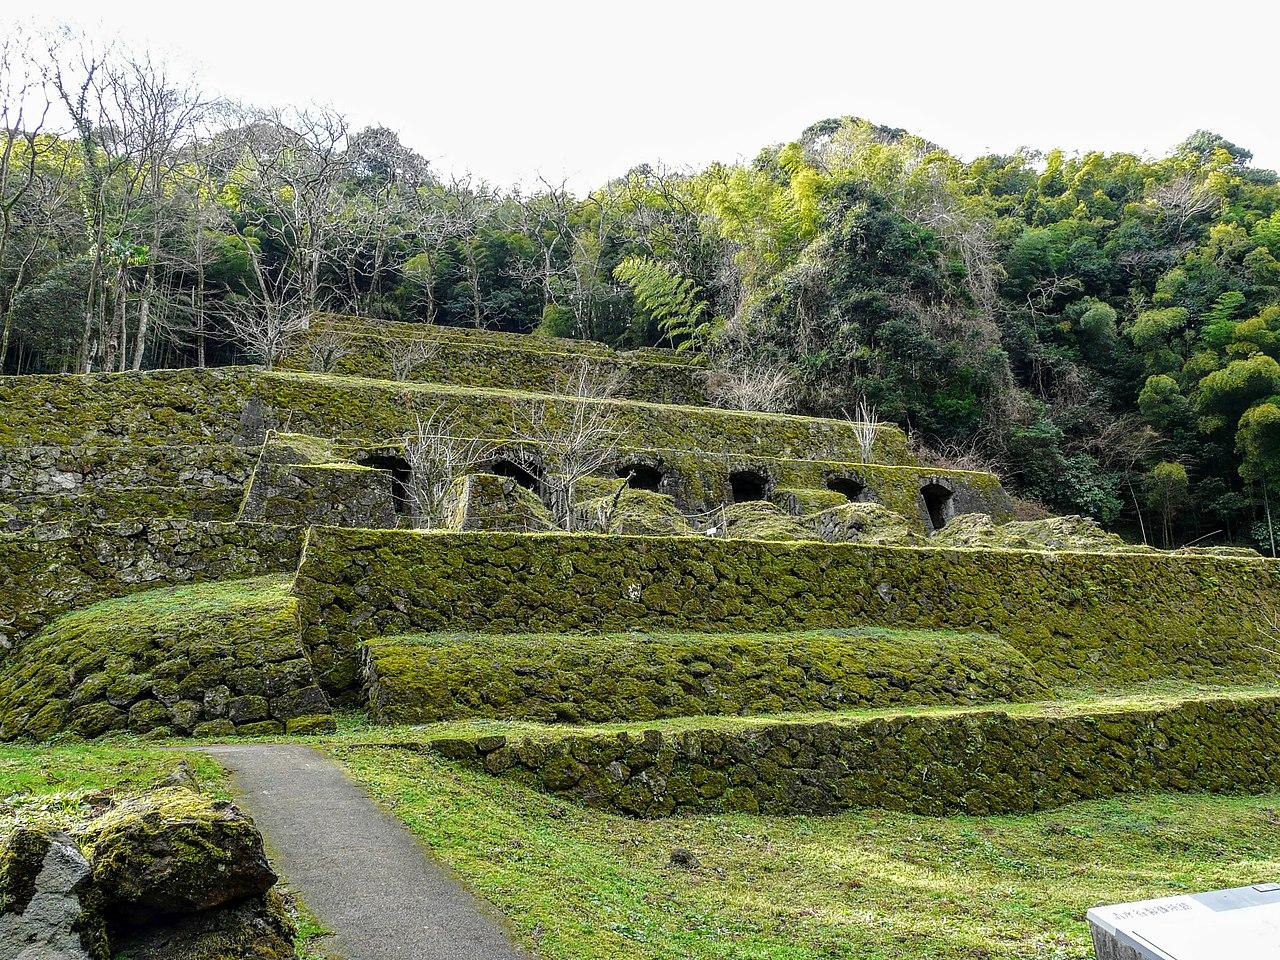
x=1102, y=329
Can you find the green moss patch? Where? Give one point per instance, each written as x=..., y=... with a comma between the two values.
x=216, y=659
x=641, y=676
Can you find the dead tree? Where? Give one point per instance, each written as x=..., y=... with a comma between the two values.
x=578, y=433
x=407, y=354
x=866, y=427
x=438, y=457
x=326, y=348
x=264, y=328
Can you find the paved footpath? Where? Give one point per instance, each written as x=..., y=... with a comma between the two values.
x=360, y=871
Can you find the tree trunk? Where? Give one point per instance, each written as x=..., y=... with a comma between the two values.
x=144, y=320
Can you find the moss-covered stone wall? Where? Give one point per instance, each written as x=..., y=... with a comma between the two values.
x=537, y=364
x=50, y=569
x=645, y=676
x=213, y=659
x=338, y=494
x=238, y=405
x=1076, y=616
x=984, y=762
x=64, y=470
x=156, y=408
x=113, y=505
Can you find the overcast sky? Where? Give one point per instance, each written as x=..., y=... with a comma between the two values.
x=586, y=90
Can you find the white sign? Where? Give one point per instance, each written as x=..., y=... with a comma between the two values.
x=1239, y=924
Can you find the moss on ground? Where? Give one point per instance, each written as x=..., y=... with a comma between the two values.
x=578, y=884
x=640, y=676
x=217, y=658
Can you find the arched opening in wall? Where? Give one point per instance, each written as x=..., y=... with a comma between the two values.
x=401, y=475
x=851, y=487
x=745, y=485
x=640, y=476
x=937, y=500
x=525, y=476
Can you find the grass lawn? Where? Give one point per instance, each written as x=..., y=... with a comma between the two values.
x=870, y=885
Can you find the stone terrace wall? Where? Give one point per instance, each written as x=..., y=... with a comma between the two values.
x=425, y=679
x=237, y=405
x=48, y=570
x=156, y=408
x=115, y=505
x=32, y=470
x=924, y=764
x=299, y=494
x=537, y=364
x=1075, y=616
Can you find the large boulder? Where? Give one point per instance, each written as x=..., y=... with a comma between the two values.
x=174, y=851
x=49, y=907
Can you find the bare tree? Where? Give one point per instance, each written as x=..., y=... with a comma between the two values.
x=24, y=110
x=471, y=207
x=1182, y=201
x=264, y=328
x=326, y=348
x=577, y=434
x=407, y=354
x=438, y=457
x=289, y=185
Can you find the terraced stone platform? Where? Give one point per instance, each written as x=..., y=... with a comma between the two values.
x=752, y=611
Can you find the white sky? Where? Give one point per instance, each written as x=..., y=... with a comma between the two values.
x=586, y=90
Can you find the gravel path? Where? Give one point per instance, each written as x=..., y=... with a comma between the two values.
x=360, y=871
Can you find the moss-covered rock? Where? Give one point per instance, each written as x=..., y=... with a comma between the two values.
x=863, y=523
x=643, y=676
x=762, y=520
x=255, y=929
x=172, y=661
x=49, y=906
x=801, y=501
x=1054, y=533
x=627, y=510
x=174, y=851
